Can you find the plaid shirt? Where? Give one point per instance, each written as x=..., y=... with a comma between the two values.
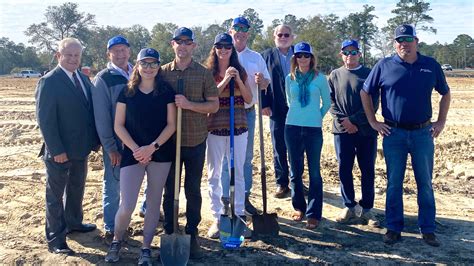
x=198, y=85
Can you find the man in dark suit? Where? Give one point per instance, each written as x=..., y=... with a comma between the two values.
x=66, y=120
x=274, y=102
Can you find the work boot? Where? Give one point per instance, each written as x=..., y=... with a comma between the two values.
x=195, y=251
x=249, y=208
x=368, y=218
x=347, y=216
x=391, y=237
x=108, y=237
x=282, y=192
x=214, y=230
x=431, y=239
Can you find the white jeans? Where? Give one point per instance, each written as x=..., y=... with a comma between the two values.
x=217, y=147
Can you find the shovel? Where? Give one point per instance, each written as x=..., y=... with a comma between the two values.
x=266, y=223
x=175, y=247
x=231, y=226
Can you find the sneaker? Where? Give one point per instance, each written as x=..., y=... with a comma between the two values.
x=431, y=239
x=113, y=253
x=391, y=237
x=347, y=215
x=195, y=251
x=249, y=208
x=214, y=230
x=145, y=257
x=368, y=218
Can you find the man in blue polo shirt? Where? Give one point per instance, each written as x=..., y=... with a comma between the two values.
x=405, y=82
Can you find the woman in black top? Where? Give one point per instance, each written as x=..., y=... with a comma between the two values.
x=145, y=120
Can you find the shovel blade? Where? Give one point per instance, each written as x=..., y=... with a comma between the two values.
x=266, y=224
x=231, y=231
x=174, y=249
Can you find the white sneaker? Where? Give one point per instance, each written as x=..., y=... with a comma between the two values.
x=347, y=215
x=214, y=230
x=368, y=218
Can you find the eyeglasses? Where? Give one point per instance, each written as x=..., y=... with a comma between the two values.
x=240, y=28
x=353, y=52
x=186, y=42
x=219, y=46
x=152, y=65
x=286, y=35
x=300, y=55
x=405, y=39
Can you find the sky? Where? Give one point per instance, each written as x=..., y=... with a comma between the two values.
x=451, y=18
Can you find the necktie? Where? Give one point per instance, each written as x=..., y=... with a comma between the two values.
x=78, y=84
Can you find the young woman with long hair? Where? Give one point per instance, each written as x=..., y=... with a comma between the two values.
x=145, y=120
x=224, y=64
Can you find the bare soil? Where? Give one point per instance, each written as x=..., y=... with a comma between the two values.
x=22, y=201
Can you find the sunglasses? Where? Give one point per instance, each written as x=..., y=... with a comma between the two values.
x=286, y=35
x=240, y=28
x=219, y=46
x=186, y=42
x=353, y=52
x=405, y=39
x=152, y=65
x=300, y=55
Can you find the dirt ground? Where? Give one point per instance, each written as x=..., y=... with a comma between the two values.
x=22, y=193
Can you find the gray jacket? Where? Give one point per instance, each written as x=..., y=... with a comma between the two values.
x=108, y=84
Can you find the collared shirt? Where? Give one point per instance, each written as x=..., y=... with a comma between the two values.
x=124, y=73
x=198, y=85
x=285, y=61
x=406, y=88
x=69, y=74
x=253, y=63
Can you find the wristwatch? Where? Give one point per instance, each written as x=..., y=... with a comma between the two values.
x=156, y=145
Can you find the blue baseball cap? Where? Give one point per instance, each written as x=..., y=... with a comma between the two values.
x=352, y=43
x=303, y=47
x=148, y=53
x=242, y=21
x=183, y=32
x=223, y=38
x=119, y=39
x=405, y=30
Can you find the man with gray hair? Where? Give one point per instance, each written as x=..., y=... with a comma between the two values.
x=108, y=84
x=274, y=102
x=66, y=119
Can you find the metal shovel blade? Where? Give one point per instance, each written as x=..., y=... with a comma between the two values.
x=266, y=224
x=231, y=230
x=175, y=249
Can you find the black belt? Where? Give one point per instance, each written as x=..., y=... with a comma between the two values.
x=408, y=126
x=250, y=109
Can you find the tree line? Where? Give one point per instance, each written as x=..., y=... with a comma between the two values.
x=323, y=32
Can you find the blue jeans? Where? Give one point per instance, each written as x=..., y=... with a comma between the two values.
x=225, y=177
x=280, y=159
x=348, y=146
x=396, y=146
x=110, y=192
x=298, y=141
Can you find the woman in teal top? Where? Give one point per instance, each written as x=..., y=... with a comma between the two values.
x=307, y=95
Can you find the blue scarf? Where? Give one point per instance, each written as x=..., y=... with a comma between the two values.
x=303, y=81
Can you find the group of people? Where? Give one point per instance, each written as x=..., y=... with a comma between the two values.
x=130, y=110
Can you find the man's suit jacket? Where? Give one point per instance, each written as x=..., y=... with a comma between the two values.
x=65, y=116
x=275, y=98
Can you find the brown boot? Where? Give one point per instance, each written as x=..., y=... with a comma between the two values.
x=282, y=192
